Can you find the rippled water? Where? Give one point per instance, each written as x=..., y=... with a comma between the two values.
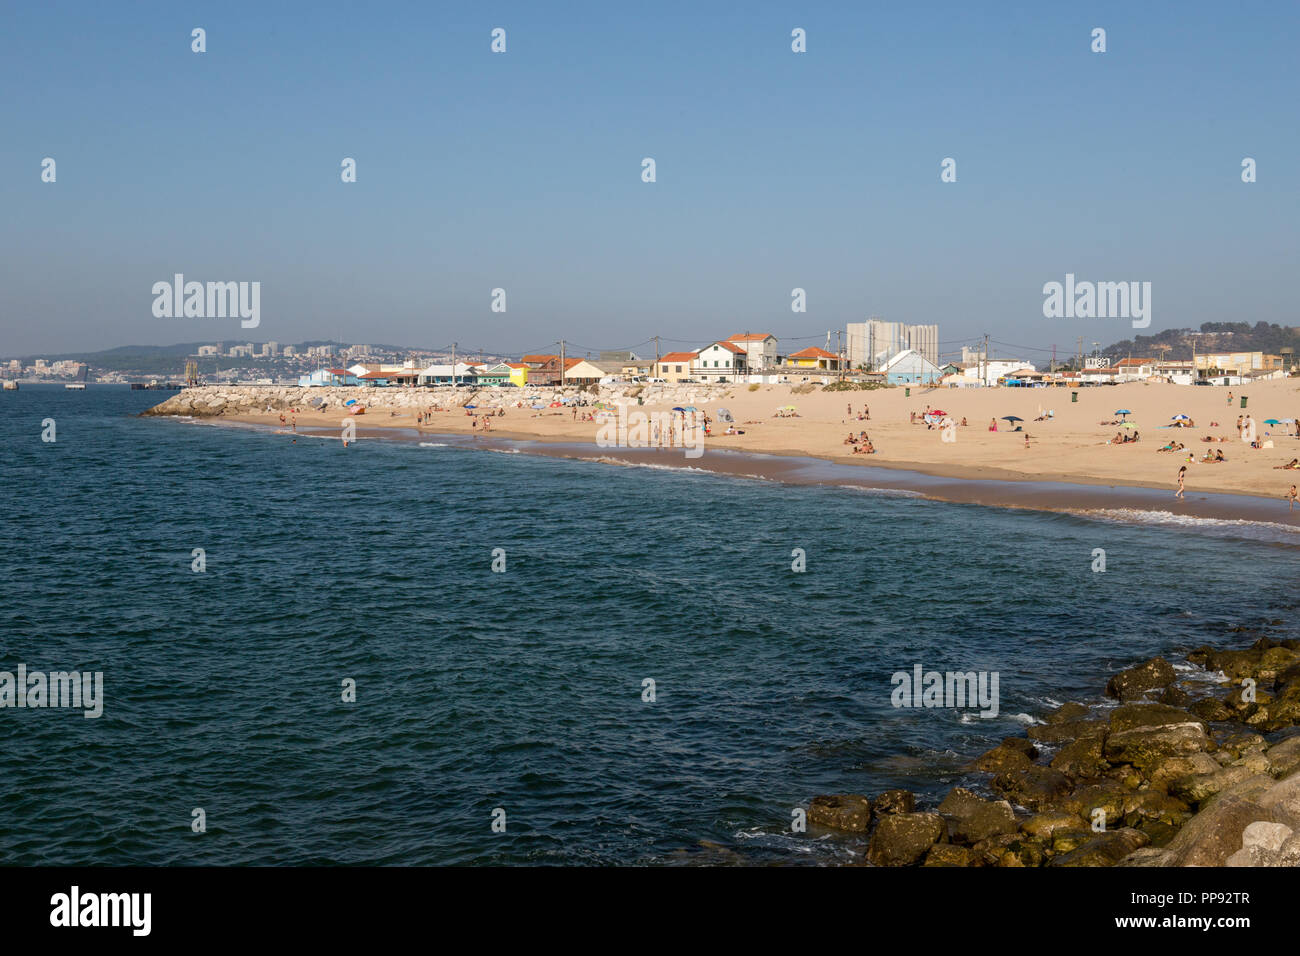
x=523, y=690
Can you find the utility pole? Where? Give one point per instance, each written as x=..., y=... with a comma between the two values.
x=453, y=373
x=655, y=367
x=1053, y=368
x=561, y=363
x=984, y=360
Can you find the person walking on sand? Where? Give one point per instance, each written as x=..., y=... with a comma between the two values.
x=1230, y=398
x=1182, y=481
x=1291, y=500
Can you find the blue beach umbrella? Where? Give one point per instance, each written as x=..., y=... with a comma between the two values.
x=1122, y=411
x=1272, y=421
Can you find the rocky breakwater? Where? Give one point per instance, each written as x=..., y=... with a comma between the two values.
x=1171, y=775
x=210, y=401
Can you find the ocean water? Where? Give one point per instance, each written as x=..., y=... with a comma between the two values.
x=522, y=690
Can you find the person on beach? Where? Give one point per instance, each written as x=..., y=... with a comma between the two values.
x=1291, y=465
x=993, y=425
x=1291, y=499
x=1230, y=398
x=1026, y=439
x=1182, y=481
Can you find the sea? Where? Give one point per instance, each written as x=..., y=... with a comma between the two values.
x=424, y=652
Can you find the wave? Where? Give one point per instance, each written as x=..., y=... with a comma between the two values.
x=1222, y=527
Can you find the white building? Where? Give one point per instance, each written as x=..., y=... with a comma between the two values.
x=988, y=373
x=720, y=362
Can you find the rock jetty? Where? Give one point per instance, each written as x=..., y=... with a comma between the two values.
x=210, y=401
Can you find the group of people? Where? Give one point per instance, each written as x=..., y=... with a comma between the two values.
x=861, y=444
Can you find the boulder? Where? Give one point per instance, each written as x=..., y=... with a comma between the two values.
x=1214, y=834
x=901, y=839
x=1032, y=787
x=1147, y=856
x=1282, y=799
x=1212, y=709
x=1200, y=787
x=1042, y=826
x=1145, y=734
x=972, y=818
x=841, y=811
x=1137, y=716
x=1069, y=711
x=945, y=854
x=1001, y=759
x=1067, y=731
x=1170, y=769
x=1104, y=849
x=1175, y=696
x=1081, y=758
x=1133, y=684
x=1284, y=757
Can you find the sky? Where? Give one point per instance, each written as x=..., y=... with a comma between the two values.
x=522, y=170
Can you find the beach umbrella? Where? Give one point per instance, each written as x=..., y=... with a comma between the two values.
x=1122, y=411
x=1272, y=421
x=678, y=408
x=937, y=411
x=1127, y=425
x=350, y=401
x=316, y=402
x=1181, y=418
x=1012, y=418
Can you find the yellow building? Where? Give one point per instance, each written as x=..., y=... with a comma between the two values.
x=518, y=373
x=813, y=357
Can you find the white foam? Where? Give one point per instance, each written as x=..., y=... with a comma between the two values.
x=1258, y=530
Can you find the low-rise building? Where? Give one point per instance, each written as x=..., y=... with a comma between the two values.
x=720, y=362
x=674, y=366
x=814, y=357
x=760, y=349
x=910, y=367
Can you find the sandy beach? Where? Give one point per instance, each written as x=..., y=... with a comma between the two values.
x=1076, y=444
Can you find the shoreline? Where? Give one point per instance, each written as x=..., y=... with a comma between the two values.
x=790, y=467
x=1065, y=459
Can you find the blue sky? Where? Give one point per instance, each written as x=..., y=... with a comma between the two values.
x=522, y=170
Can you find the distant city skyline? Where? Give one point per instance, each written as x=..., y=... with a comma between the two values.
x=522, y=171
